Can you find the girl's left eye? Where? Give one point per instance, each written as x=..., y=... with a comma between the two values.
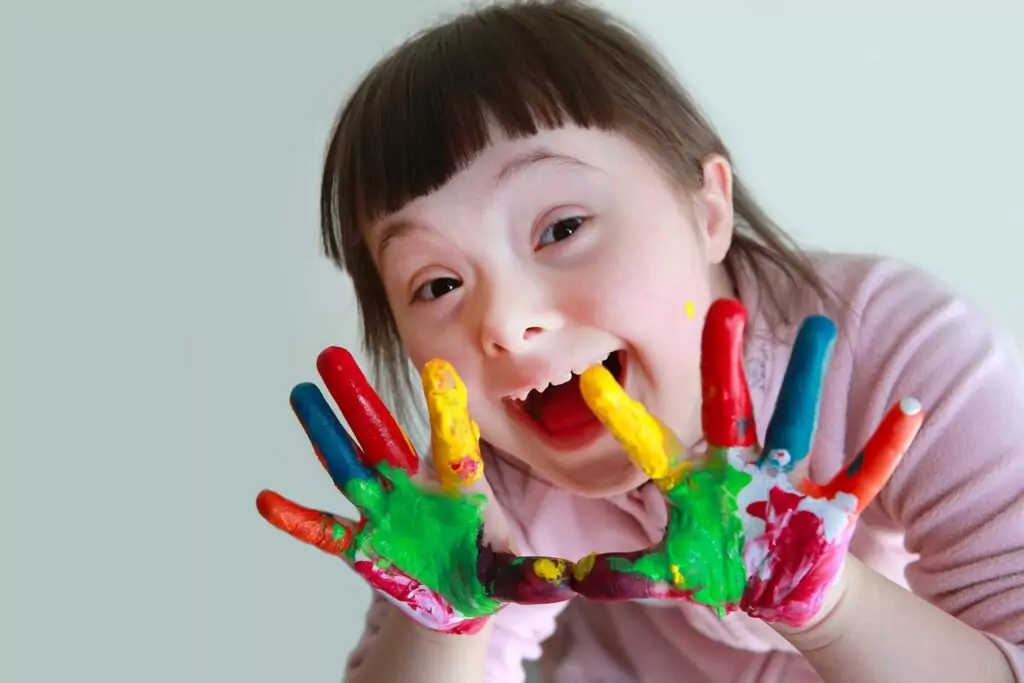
x=560, y=230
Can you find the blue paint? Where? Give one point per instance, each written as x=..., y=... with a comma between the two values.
x=795, y=419
x=341, y=457
x=854, y=467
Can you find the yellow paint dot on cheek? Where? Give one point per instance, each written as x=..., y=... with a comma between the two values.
x=688, y=307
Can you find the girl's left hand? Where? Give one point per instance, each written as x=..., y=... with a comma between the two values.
x=744, y=532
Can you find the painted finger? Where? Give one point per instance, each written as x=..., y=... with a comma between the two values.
x=618, y=577
x=373, y=425
x=649, y=443
x=525, y=580
x=455, y=437
x=331, y=534
x=726, y=411
x=335, y=448
x=790, y=433
x=867, y=473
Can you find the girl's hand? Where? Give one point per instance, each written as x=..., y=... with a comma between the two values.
x=423, y=546
x=745, y=531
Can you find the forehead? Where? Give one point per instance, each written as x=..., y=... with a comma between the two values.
x=567, y=150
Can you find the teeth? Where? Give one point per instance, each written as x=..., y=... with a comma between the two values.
x=562, y=379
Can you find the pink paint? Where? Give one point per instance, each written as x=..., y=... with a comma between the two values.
x=422, y=604
x=801, y=563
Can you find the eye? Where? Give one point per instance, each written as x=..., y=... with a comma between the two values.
x=560, y=230
x=436, y=288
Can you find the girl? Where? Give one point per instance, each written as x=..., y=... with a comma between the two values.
x=526, y=192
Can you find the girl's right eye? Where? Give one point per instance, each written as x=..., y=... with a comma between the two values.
x=435, y=289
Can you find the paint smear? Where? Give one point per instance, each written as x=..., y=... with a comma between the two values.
x=432, y=537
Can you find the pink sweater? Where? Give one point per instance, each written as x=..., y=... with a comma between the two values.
x=949, y=525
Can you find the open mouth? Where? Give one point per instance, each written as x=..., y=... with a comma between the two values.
x=559, y=410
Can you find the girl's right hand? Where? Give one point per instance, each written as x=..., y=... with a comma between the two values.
x=424, y=546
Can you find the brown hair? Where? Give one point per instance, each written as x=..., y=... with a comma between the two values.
x=422, y=113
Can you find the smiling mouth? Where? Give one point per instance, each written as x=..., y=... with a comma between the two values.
x=559, y=410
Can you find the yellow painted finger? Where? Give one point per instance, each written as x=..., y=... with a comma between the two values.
x=649, y=443
x=455, y=436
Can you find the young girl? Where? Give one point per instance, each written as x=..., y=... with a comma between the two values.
x=526, y=192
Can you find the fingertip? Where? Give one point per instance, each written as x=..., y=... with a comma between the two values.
x=597, y=381
x=727, y=309
x=335, y=358
x=438, y=375
x=911, y=406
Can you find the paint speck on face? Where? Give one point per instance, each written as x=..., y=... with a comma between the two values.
x=688, y=308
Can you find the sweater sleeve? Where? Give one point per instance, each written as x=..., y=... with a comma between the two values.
x=958, y=492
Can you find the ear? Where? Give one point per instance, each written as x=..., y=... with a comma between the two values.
x=713, y=203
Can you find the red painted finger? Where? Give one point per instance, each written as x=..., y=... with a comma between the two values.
x=376, y=430
x=525, y=580
x=605, y=578
x=867, y=473
x=330, y=534
x=726, y=411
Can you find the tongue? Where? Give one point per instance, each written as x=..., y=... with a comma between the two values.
x=560, y=408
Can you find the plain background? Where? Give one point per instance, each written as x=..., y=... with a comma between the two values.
x=163, y=286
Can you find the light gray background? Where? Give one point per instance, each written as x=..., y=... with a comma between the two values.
x=163, y=288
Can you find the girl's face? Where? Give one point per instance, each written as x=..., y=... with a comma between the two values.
x=549, y=254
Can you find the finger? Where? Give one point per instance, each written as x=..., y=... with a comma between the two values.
x=331, y=534
x=612, y=577
x=334, y=447
x=791, y=431
x=374, y=427
x=726, y=411
x=525, y=580
x=455, y=436
x=649, y=443
x=867, y=473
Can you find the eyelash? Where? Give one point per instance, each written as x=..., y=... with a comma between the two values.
x=420, y=294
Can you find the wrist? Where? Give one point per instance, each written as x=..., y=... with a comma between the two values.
x=828, y=624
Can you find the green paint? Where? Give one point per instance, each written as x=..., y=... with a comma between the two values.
x=431, y=535
x=704, y=537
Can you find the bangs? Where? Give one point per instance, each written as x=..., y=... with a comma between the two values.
x=425, y=111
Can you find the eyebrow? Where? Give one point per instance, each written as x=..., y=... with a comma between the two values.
x=392, y=231
x=526, y=160
x=396, y=229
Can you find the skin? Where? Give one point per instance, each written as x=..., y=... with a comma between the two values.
x=745, y=530
x=421, y=545
x=491, y=273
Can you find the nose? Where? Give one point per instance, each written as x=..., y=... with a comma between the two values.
x=516, y=318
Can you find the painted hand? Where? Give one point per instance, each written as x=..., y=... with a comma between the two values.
x=422, y=545
x=745, y=531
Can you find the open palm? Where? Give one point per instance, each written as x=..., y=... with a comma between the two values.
x=745, y=530
x=424, y=546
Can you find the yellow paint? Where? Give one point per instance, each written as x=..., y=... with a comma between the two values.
x=677, y=578
x=455, y=437
x=688, y=307
x=583, y=566
x=549, y=569
x=649, y=443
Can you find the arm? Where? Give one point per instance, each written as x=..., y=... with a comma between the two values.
x=395, y=648
x=494, y=655
x=957, y=494
x=873, y=615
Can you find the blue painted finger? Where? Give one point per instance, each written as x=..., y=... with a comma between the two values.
x=333, y=446
x=791, y=430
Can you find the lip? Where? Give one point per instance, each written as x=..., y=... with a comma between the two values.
x=574, y=439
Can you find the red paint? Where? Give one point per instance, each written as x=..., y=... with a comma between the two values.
x=466, y=468
x=372, y=424
x=802, y=563
x=429, y=607
x=309, y=526
x=873, y=467
x=726, y=410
